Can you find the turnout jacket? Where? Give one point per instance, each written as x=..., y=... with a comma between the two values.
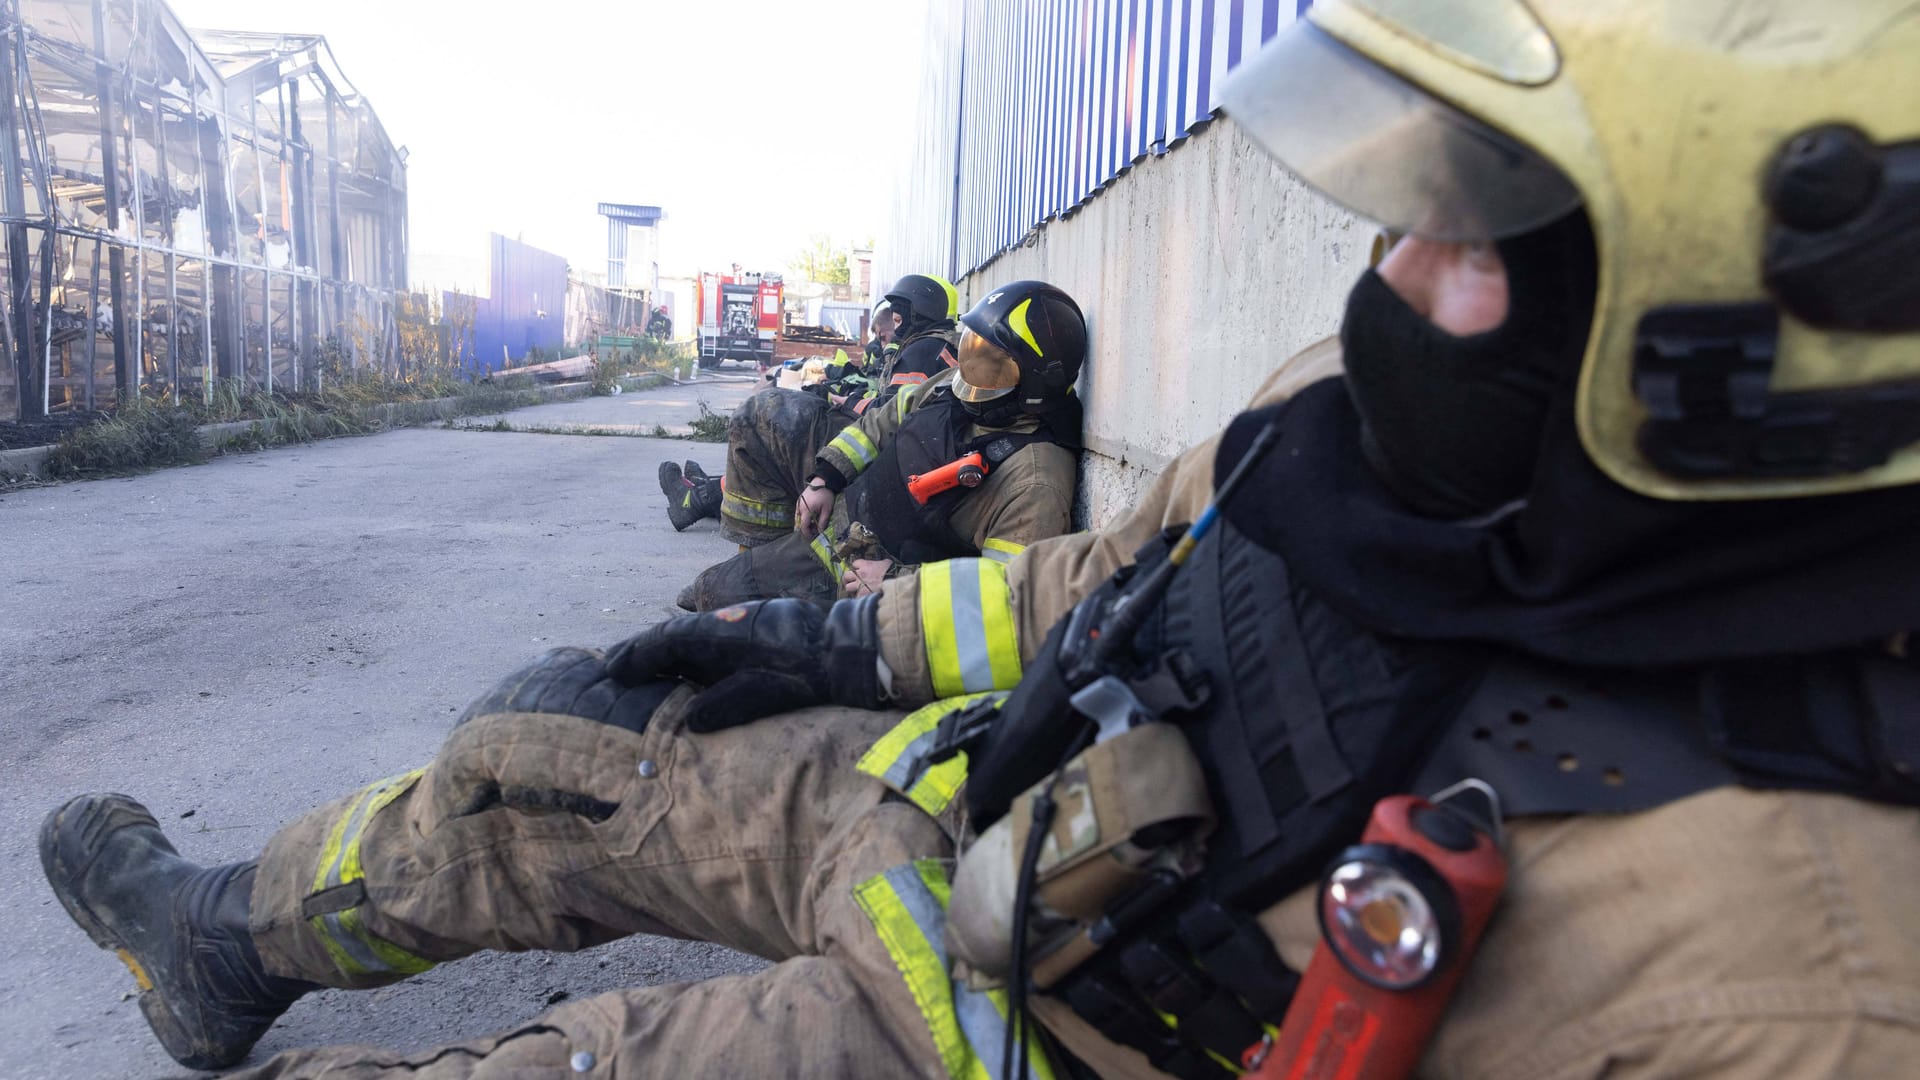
x=1025, y=499
x=931, y=622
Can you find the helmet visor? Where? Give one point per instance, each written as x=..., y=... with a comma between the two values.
x=1386, y=149
x=986, y=370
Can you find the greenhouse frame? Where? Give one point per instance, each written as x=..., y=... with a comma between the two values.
x=186, y=208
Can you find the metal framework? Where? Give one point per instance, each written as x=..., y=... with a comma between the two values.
x=181, y=208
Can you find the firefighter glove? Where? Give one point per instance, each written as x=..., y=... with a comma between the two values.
x=761, y=658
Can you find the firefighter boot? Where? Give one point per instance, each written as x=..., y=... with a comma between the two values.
x=688, y=500
x=180, y=928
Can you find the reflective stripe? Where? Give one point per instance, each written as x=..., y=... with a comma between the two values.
x=1001, y=551
x=966, y=618
x=777, y=515
x=355, y=949
x=908, y=908
x=902, y=404
x=897, y=758
x=823, y=546
x=856, y=446
x=907, y=378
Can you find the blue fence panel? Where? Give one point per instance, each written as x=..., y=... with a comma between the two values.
x=1054, y=99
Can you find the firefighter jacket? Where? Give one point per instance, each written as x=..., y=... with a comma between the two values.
x=968, y=625
x=913, y=361
x=1028, y=498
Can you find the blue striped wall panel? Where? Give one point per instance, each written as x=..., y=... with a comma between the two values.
x=1031, y=107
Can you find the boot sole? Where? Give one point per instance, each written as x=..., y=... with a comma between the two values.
x=102, y=814
x=109, y=813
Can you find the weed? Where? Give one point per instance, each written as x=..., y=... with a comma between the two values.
x=710, y=426
x=139, y=436
x=606, y=376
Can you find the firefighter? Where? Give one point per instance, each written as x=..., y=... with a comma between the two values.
x=1674, y=635
x=857, y=517
x=773, y=439
x=769, y=438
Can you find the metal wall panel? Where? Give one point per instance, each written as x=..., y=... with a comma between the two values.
x=1028, y=108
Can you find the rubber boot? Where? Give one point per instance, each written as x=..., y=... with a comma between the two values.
x=688, y=501
x=181, y=929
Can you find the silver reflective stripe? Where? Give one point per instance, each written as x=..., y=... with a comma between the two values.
x=980, y=1020
x=350, y=837
x=906, y=768
x=970, y=627
x=354, y=947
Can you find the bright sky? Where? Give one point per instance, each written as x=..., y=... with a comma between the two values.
x=750, y=122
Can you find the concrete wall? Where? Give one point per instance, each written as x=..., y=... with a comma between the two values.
x=1200, y=272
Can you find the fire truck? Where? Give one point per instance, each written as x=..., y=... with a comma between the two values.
x=739, y=316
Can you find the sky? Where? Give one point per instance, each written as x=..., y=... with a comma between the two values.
x=752, y=123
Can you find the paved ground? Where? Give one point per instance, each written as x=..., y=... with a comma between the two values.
x=237, y=642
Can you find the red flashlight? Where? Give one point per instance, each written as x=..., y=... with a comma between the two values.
x=1400, y=917
x=968, y=471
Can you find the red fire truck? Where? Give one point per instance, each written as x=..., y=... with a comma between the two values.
x=739, y=316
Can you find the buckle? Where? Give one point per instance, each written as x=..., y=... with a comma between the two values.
x=960, y=729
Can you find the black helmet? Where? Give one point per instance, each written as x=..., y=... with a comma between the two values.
x=921, y=300
x=1036, y=326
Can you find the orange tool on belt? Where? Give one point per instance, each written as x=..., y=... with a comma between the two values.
x=968, y=472
x=1400, y=917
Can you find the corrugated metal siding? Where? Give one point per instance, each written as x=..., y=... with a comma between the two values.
x=1029, y=107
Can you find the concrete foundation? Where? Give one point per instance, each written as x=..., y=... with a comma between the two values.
x=1200, y=271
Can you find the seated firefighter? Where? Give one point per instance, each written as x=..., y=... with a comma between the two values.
x=773, y=438
x=978, y=460
x=1674, y=637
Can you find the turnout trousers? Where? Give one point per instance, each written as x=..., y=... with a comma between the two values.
x=1731, y=934
x=536, y=831
x=772, y=441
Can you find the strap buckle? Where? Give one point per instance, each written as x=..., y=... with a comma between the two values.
x=958, y=731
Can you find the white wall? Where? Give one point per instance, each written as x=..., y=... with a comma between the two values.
x=1199, y=271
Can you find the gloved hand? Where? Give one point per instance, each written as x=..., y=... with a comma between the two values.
x=572, y=682
x=761, y=658
x=813, y=509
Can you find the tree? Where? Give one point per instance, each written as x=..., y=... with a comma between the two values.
x=820, y=261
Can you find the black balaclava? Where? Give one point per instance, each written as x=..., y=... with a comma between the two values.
x=1452, y=425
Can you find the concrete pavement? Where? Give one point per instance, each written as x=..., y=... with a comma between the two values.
x=237, y=642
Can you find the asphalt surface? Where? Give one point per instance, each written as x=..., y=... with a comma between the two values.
x=238, y=642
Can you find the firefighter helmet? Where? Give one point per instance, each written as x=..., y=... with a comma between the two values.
x=1027, y=335
x=1749, y=184
x=921, y=300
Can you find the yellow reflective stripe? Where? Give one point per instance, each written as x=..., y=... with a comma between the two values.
x=822, y=546
x=896, y=759
x=854, y=443
x=966, y=619
x=754, y=511
x=1001, y=551
x=908, y=908
x=354, y=949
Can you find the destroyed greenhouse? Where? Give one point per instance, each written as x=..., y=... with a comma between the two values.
x=185, y=207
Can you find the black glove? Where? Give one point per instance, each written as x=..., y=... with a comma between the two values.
x=572, y=682
x=761, y=658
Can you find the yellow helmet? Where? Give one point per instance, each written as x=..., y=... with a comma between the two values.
x=1751, y=172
